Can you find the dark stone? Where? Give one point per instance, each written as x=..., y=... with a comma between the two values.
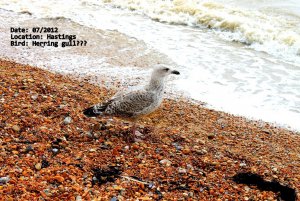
x=28, y=149
x=160, y=195
x=45, y=163
x=102, y=176
x=286, y=193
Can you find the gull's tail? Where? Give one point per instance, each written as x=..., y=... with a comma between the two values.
x=95, y=110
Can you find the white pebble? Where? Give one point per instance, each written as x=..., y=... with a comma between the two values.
x=4, y=180
x=67, y=120
x=34, y=97
x=165, y=162
x=181, y=170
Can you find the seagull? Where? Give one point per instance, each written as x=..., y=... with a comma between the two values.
x=135, y=104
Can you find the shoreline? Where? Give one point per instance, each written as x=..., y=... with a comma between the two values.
x=101, y=58
x=189, y=151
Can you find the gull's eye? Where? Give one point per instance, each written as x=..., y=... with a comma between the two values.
x=166, y=69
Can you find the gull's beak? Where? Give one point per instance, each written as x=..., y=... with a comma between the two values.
x=175, y=72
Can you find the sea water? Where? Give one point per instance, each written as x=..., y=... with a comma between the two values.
x=241, y=57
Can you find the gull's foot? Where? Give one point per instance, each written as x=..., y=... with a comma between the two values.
x=138, y=136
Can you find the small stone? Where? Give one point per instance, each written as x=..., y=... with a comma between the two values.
x=135, y=147
x=78, y=198
x=89, y=134
x=145, y=198
x=67, y=120
x=224, y=163
x=158, y=150
x=4, y=180
x=116, y=187
x=108, y=143
x=165, y=162
x=45, y=163
x=61, y=189
x=55, y=150
x=15, y=152
x=28, y=148
x=196, y=147
x=114, y=199
x=85, y=175
x=92, y=150
x=104, y=146
x=211, y=136
x=151, y=185
x=95, y=135
x=16, y=128
x=59, y=178
x=274, y=169
x=189, y=167
x=34, y=97
x=201, y=151
x=47, y=192
x=62, y=106
x=222, y=122
x=247, y=189
x=38, y=166
x=141, y=156
x=186, y=150
x=94, y=179
x=243, y=164
x=182, y=170
x=177, y=146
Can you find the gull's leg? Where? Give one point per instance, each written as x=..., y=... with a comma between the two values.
x=133, y=128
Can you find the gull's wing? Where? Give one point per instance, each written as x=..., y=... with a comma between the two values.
x=131, y=104
x=125, y=91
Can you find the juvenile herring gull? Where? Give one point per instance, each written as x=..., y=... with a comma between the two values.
x=135, y=104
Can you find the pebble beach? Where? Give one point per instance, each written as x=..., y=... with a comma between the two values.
x=50, y=151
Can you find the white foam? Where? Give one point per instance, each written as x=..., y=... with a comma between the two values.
x=277, y=35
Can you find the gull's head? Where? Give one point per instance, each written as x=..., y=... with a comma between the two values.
x=163, y=71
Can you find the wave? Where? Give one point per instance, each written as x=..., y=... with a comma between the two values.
x=277, y=34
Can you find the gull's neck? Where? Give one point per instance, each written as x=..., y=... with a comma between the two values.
x=156, y=84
